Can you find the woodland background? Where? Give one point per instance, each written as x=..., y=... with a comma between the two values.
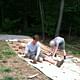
x=45, y=17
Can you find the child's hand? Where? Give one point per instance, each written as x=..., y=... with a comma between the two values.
x=34, y=62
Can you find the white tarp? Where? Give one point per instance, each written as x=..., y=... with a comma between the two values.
x=68, y=71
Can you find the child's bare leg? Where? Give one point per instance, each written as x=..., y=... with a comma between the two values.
x=50, y=60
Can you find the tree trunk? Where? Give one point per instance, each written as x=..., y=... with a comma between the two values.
x=2, y=15
x=42, y=19
x=60, y=18
x=70, y=33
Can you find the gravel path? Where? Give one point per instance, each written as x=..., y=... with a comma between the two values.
x=7, y=37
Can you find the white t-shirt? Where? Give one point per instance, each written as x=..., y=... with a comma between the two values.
x=32, y=48
x=58, y=40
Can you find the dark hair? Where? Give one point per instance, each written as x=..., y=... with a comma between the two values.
x=36, y=37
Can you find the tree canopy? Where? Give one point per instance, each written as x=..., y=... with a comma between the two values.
x=39, y=16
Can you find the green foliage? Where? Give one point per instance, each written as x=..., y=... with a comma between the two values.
x=51, y=9
x=72, y=49
x=5, y=69
x=71, y=18
x=14, y=15
x=8, y=78
x=5, y=51
x=9, y=25
x=8, y=52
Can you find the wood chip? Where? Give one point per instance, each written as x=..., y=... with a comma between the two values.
x=32, y=76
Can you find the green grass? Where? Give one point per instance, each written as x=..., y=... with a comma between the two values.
x=8, y=78
x=5, y=51
x=5, y=69
x=72, y=49
x=8, y=53
x=73, y=46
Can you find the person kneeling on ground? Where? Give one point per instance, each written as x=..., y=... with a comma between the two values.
x=33, y=50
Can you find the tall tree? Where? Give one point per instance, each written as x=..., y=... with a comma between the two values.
x=42, y=18
x=60, y=18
